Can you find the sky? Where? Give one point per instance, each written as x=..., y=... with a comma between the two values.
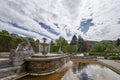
x=91, y=19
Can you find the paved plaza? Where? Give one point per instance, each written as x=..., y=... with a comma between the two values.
x=112, y=64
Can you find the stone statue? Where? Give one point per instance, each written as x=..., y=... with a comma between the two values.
x=22, y=51
x=60, y=51
x=43, y=47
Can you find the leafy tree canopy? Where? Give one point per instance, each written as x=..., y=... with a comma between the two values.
x=4, y=32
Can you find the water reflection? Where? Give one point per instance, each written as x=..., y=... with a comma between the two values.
x=90, y=71
x=80, y=70
x=83, y=76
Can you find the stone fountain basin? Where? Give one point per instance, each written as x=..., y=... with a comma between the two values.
x=43, y=58
x=48, y=56
x=45, y=64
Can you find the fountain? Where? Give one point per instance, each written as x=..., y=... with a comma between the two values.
x=45, y=63
x=43, y=47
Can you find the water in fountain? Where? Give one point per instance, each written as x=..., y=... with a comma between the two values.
x=69, y=75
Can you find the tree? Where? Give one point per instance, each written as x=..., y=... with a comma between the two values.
x=30, y=39
x=118, y=42
x=61, y=41
x=36, y=45
x=104, y=47
x=8, y=42
x=80, y=43
x=52, y=43
x=4, y=32
x=74, y=40
x=69, y=48
x=37, y=41
x=86, y=46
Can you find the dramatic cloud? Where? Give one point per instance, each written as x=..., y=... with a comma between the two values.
x=92, y=19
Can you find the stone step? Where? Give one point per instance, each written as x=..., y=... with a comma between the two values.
x=4, y=54
x=15, y=76
x=4, y=63
x=9, y=71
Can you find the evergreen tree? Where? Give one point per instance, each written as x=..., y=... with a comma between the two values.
x=74, y=40
x=52, y=43
x=118, y=42
x=80, y=43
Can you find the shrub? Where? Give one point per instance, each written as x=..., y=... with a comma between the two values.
x=96, y=54
x=114, y=57
x=8, y=42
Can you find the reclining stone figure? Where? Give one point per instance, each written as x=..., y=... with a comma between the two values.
x=22, y=51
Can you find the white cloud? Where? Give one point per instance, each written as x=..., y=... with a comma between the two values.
x=69, y=13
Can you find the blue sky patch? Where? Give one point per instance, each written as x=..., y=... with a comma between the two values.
x=48, y=28
x=18, y=26
x=23, y=28
x=85, y=25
